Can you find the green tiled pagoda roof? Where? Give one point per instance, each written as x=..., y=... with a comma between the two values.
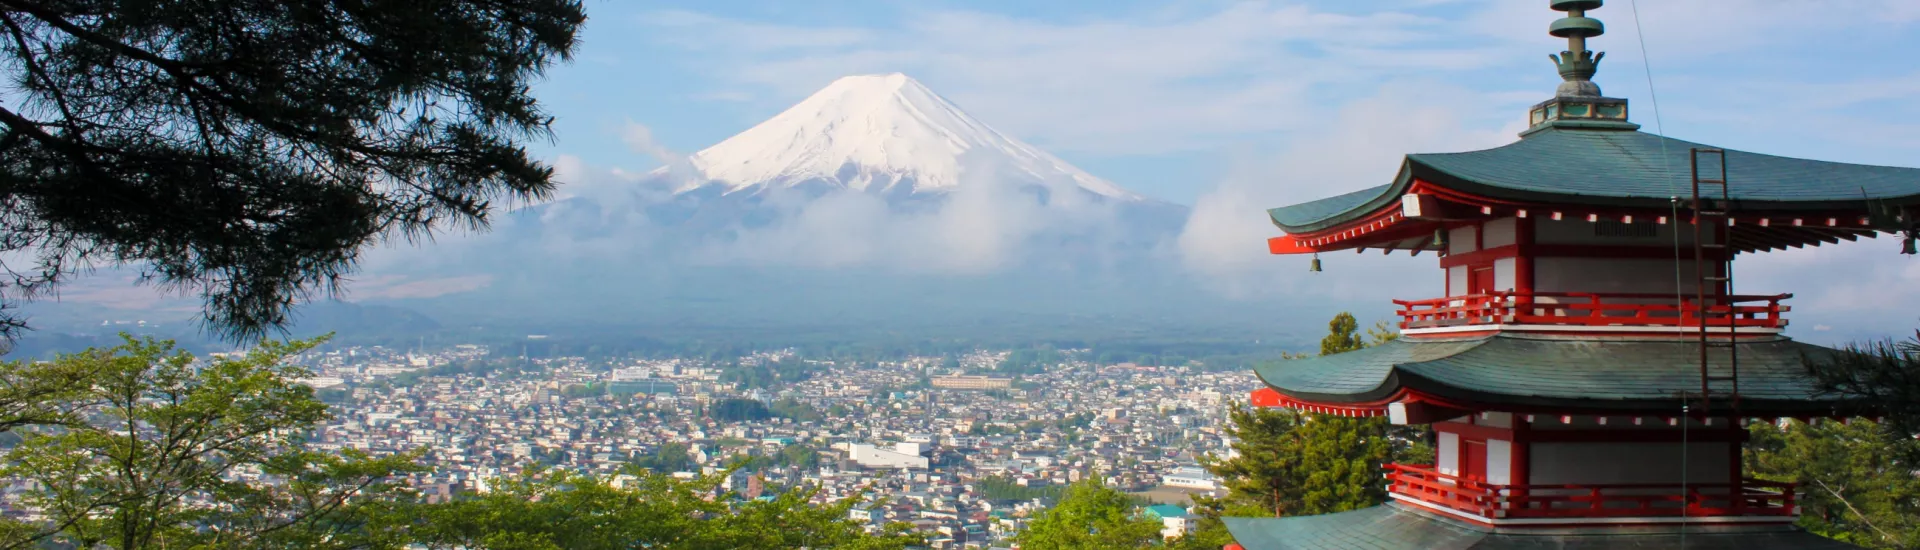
x=1616, y=168
x=1394, y=526
x=1565, y=373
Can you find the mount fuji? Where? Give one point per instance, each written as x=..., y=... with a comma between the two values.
x=874, y=204
x=880, y=134
x=872, y=210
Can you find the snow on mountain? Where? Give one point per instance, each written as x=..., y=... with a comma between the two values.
x=884, y=134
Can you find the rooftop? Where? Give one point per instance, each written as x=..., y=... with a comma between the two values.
x=1524, y=372
x=1616, y=168
x=1396, y=526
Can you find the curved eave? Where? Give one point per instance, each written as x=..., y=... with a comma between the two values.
x=1397, y=526
x=1318, y=215
x=1554, y=374
x=1423, y=171
x=1619, y=175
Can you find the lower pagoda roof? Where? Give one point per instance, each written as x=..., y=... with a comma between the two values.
x=1396, y=526
x=1616, y=168
x=1546, y=373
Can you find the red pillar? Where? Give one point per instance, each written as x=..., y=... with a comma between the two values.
x=1523, y=264
x=1518, y=470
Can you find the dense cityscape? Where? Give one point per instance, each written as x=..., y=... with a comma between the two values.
x=965, y=459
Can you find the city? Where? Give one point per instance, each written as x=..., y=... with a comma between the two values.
x=964, y=459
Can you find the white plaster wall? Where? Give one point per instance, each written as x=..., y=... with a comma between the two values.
x=1448, y=454
x=1460, y=240
x=1611, y=275
x=1494, y=419
x=1571, y=231
x=1598, y=463
x=1457, y=280
x=1503, y=273
x=1499, y=462
x=1500, y=232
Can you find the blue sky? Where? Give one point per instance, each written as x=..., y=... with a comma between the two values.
x=1232, y=107
x=1171, y=99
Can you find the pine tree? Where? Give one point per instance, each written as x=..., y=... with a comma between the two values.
x=146, y=445
x=1856, y=479
x=1291, y=463
x=1856, y=484
x=247, y=151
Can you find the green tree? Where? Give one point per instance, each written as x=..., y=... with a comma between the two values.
x=1343, y=335
x=144, y=452
x=668, y=458
x=1291, y=463
x=1885, y=374
x=1856, y=484
x=1344, y=456
x=794, y=409
x=1091, y=516
x=1001, y=488
x=739, y=410
x=1857, y=479
x=799, y=455
x=557, y=510
x=247, y=151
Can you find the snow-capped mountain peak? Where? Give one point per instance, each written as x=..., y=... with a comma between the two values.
x=876, y=133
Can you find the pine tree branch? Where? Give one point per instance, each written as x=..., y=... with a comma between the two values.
x=1856, y=511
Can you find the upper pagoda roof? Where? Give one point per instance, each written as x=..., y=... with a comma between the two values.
x=1615, y=168
x=1526, y=372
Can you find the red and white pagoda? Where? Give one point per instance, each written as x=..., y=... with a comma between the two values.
x=1590, y=367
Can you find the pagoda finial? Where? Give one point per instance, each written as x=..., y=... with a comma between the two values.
x=1577, y=103
x=1577, y=64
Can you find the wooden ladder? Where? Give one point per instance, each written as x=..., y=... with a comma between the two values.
x=1713, y=289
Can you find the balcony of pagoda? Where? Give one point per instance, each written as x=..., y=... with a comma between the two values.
x=1593, y=312
x=1752, y=501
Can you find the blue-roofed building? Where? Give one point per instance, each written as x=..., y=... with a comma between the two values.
x=1590, y=367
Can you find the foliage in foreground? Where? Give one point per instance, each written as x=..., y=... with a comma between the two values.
x=1090, y=516
x=556, y=510
x=1857, y=480
x=247, y=151
x=142, y=446
x=1856, y=484
x=1292, y=463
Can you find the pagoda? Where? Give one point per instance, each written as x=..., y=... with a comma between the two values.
x=1589, y=369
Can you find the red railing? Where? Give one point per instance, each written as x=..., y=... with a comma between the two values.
x=1593, y=309
x=1752, y=497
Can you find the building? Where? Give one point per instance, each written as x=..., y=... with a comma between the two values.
x=1190, y=477
x=902, y=455
x=1590, y=368
x=971, y=382
x=1173, y=519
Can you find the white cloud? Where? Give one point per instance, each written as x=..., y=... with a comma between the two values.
x=1857, y=290
x=1173, y=80
x=1363, y=146
x=985, y=225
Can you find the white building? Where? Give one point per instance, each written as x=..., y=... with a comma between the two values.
x=1191, y=477
x=903, y=455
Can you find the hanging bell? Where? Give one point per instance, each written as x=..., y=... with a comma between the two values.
x=1440, y=238
x=1315, y=268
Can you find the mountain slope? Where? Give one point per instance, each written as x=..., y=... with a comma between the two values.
x=881, y=134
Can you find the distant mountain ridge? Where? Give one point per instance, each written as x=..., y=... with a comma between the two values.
x=873, y=206
x=881, y=134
